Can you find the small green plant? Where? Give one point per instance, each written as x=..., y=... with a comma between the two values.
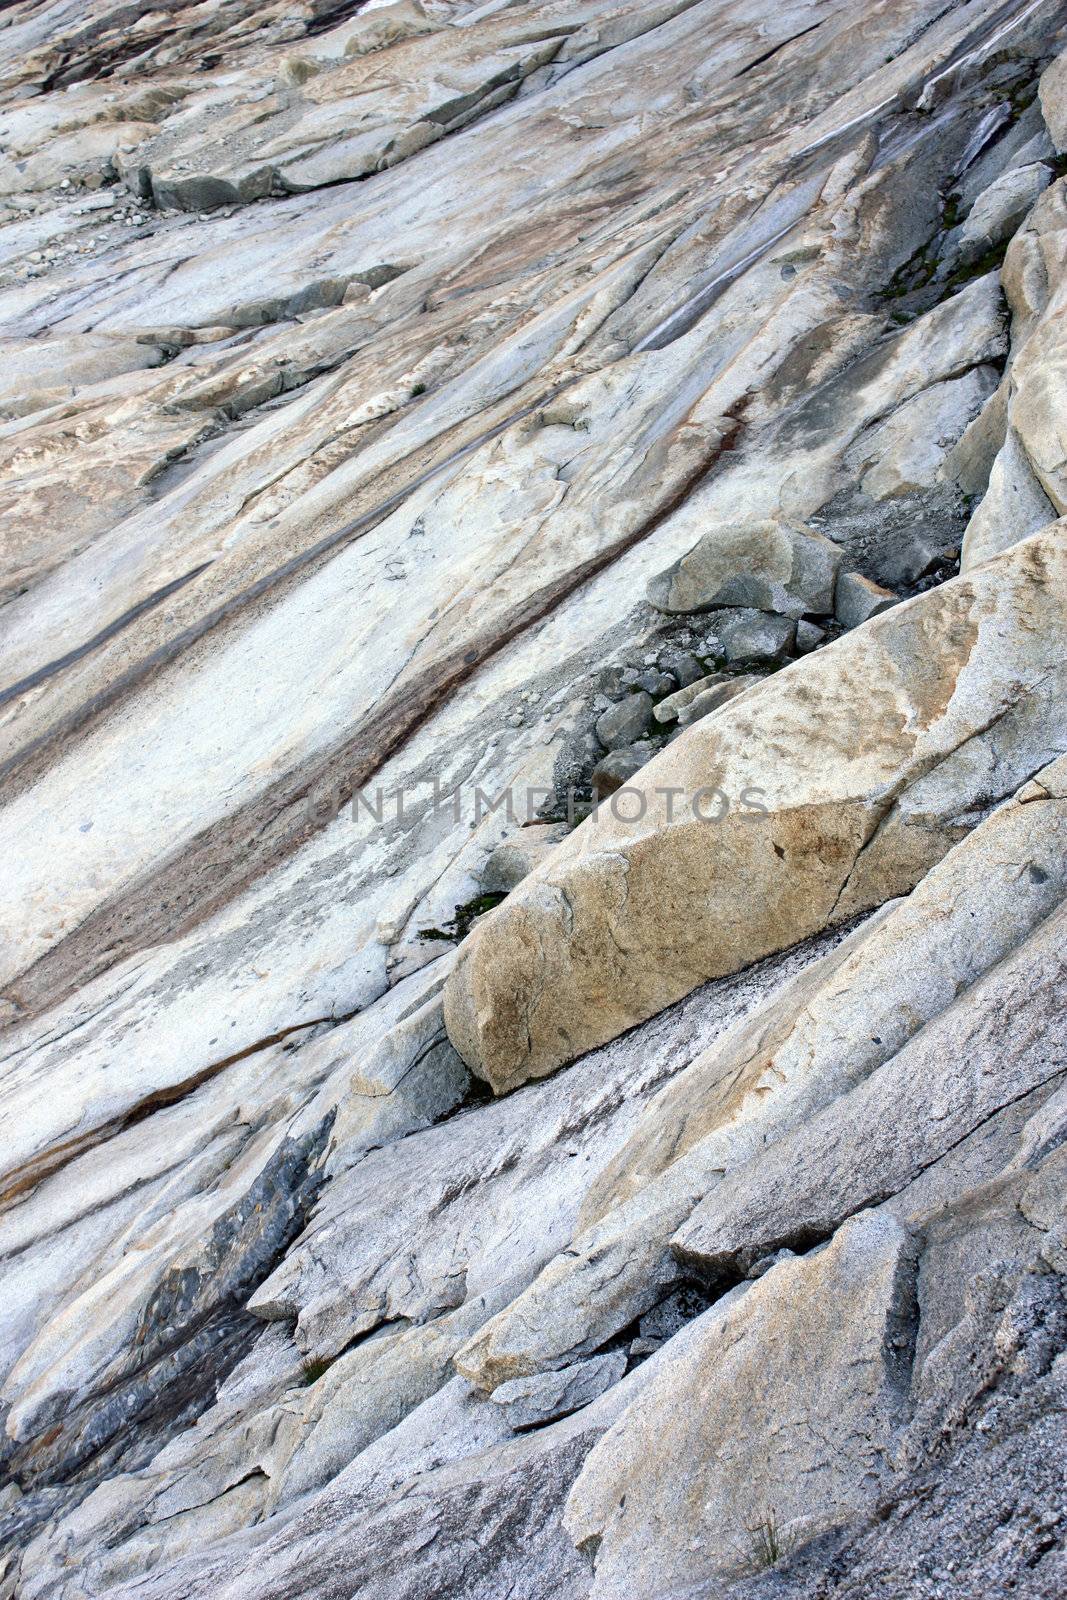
x=419, y=388
x=950, y=212
x=314, y=1367
x=767, y=1548
x=464, y=916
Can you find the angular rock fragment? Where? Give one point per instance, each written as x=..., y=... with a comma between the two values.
x=710, y=699
x=809, y=637
x=685, y=667
x=619, y=767
x=531, y=1402
x=922, y=556
x=859, y=599
x=754, y=640
x=671, y=708
x=766, y=565
x=518, y=855
x=625, y=721
x=657, y=683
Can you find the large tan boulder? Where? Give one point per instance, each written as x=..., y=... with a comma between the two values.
x=901, y=999
x=839, y=783
x=843, y=1016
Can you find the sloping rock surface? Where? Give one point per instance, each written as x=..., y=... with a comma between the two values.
x=533, y=799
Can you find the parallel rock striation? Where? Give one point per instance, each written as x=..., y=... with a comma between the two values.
x=442, y=443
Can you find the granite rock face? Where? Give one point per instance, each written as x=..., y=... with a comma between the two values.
x=534, y=621
x=813, y=1356
x=826, y=791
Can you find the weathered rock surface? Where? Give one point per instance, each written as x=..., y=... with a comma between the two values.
x=970, y=1368
x=839, y=1020
x=529, y=1402
x=671, y=706
x=625, y=722
x=616, y=769
x=905, y=453
x=767, y=565
x=1028, y=474
x=999, y=210
x=832, y=1026
x=858, y=599
x=710, y=699
x=755, y=639
x=903, y=1118
x=516, y=858
x=814, y=1358
x=938, y=707
x=366, y=365
x=1053, y=93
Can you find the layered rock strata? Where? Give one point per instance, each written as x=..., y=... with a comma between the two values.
x=533, y=799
